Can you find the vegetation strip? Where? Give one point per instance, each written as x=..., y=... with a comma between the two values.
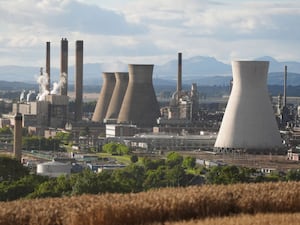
x=167, y=204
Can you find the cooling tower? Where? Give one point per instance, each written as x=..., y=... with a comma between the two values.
x=249, y=122
x=109, y=82
x=48, y=66
x=140, y=105
x=78, y=80
x=117, y=96
x=64, y=67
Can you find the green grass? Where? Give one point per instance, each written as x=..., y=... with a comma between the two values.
x=124, y=159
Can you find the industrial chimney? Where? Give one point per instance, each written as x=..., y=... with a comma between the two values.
x=64, y=67
x=284, y=86
x=249, y=122
x=117, y=96
x=48, y=66
x=179, y=76
x=78, y=80
x=18, y=136
x=140, y=105
x=109, y=82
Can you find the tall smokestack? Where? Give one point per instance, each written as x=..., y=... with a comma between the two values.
x=284, y=86
x=117, y=96
x=140, y=105
x=64, y=67
x=179, y=76
x=107, y=89
x=78, y=80
x=48, y=66
x=18, y=136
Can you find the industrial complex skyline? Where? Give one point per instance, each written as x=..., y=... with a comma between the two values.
x=140, y=31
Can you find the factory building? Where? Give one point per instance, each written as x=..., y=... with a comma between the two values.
x=249, y=121
x=184, y=105
x=49, y=108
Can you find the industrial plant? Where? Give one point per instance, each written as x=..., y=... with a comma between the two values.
x=128, y=111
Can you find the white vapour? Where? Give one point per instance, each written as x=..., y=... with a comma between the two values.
x=57, y=85
x=42, y=80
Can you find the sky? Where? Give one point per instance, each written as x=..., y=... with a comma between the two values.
x=149, y=31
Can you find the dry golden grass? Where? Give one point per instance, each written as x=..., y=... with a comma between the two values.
x=169, y=204
x=258, y=219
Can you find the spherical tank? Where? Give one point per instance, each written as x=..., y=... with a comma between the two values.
x=249, y=121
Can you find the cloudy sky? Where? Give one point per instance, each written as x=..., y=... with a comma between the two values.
x=149, y=31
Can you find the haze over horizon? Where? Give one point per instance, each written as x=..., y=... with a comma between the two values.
x=140, y=31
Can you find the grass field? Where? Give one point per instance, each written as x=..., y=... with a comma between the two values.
x=266, y=203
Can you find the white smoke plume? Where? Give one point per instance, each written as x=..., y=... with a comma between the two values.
x=57, y=85
x=42, y=80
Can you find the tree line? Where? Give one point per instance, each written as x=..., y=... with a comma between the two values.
x=145, y=174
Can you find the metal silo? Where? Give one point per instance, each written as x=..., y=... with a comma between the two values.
x=140, y=106
x=109, y=82
x=249, y=121
x=117, y=96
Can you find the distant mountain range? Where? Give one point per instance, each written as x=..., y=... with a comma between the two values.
x=205, y=71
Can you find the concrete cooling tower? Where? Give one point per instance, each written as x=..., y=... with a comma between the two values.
x=117, y=96
x=140, y=106
x=249, y=122
x=109, y=82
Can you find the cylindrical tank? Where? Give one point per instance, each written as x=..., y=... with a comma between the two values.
x=140, y=106
x=249, y=121
x=108, y=86
x=53, y=169
x=117, y=96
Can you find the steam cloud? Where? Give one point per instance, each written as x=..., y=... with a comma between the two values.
x=42, y=80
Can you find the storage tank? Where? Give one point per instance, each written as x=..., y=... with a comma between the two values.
x=249, y=121
x=53, y=169
x=117, y=96
x=109, y=82
x=140, y=106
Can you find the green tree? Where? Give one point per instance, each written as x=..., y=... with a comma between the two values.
x=115, y=148
x=228, y=175
x=174, y=159
x=130, y=179
x=20, y=188
x=155, y=178
x=293, y=175
x=86, y=182
x=11, y=169
x=134, y=158
x=152, y=164
x=6, y=130
x=189, y=162
x=64, y=137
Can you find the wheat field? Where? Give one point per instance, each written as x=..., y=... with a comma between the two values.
x=162, y=206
